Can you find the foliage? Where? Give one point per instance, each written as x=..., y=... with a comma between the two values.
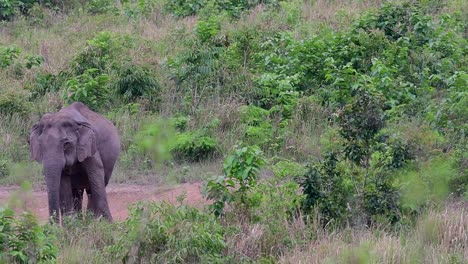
x=355, y=182
x=8, y=9
x=429, y=184
x=47, y=83
x=8, y=55
x=182, y=8
x=194, y=146
x=22, y=240
x=135, y=81
x=325, y=188
x=13, y=101
x=100, y=6
x=89, y=88
x=161, y=232
x=3, y=168
x=241, y=170
x=139, y=8
x=100, y=52
x=359, y=124
x=156, y=138
x=33, y=61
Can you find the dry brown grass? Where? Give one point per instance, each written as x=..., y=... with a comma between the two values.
x=439, y=237
x=336, y=13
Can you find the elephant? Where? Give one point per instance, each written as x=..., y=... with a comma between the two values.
x=78, y=149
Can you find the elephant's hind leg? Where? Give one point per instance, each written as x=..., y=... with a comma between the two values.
x=66, y=198
x=77, y=200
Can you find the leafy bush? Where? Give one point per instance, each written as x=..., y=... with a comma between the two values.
x=99, y=53
x=22, y=240
x=137, y=8
x=8, y=55
x=326, y=189
x=3, y=168
x=155, y=140
x=135, y=81
x=426, y=185
x=89, y=88
x=206, y=29
x=47, y=83
x=164, y=233
x=181, y=122
x=100, y=6
x=33, y=61
x=241, y=170
x=181, y=8
x=194, y=146
x=13, y=101
x=8, y=9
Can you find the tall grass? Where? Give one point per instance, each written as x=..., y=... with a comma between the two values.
x=439, y=236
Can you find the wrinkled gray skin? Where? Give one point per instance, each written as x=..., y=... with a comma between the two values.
x=78, y=149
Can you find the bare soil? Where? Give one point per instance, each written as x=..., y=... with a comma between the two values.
x=120, y=197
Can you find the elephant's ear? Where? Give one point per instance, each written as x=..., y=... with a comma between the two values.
x=33, y=141
x=86, y=146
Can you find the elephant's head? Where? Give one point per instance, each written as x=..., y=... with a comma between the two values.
x=59, y=141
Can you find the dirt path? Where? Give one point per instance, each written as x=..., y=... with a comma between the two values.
x=119, y=196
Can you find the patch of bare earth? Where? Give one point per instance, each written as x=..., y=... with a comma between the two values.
x=120, y=197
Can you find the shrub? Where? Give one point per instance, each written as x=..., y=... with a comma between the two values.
x=182, y=8
x=134, y=81
x=8, y=9
x=326, y=189
x=164, y=233
x=100, y=6
x=22, y=240
x=47, y=83
x=241, y=170
x=3, y=168
x=206, y=29
x=181, y=122
x=194, y=146
x=14, y=101
x=426, y=185
x=8, y=55
x=33, y=61
x=100, y=52
x=89, y=88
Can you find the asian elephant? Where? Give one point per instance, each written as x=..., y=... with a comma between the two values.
x=78, y=149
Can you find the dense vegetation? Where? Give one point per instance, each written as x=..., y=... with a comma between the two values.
x=338, y=127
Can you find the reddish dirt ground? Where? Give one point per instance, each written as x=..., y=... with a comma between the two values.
x=119, y=197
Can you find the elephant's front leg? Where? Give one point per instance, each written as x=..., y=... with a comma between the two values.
x=98, y=197
x=66, y=197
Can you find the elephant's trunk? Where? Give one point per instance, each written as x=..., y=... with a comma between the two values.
x=53, y=174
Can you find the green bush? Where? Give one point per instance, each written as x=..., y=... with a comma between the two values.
x=4, y=170
x=326, y=189
x=134, y=81
x=181, y=8
x=14, y=102
x=137, y=8
x=22, y=240
x=194, y=146
x=89, y=88
x=100, y=53
x=100, y=6
x=241, y=170
x=8, y=9
x=47, y=83
x=164, y=233
x=427, y=184
x=8, y=55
